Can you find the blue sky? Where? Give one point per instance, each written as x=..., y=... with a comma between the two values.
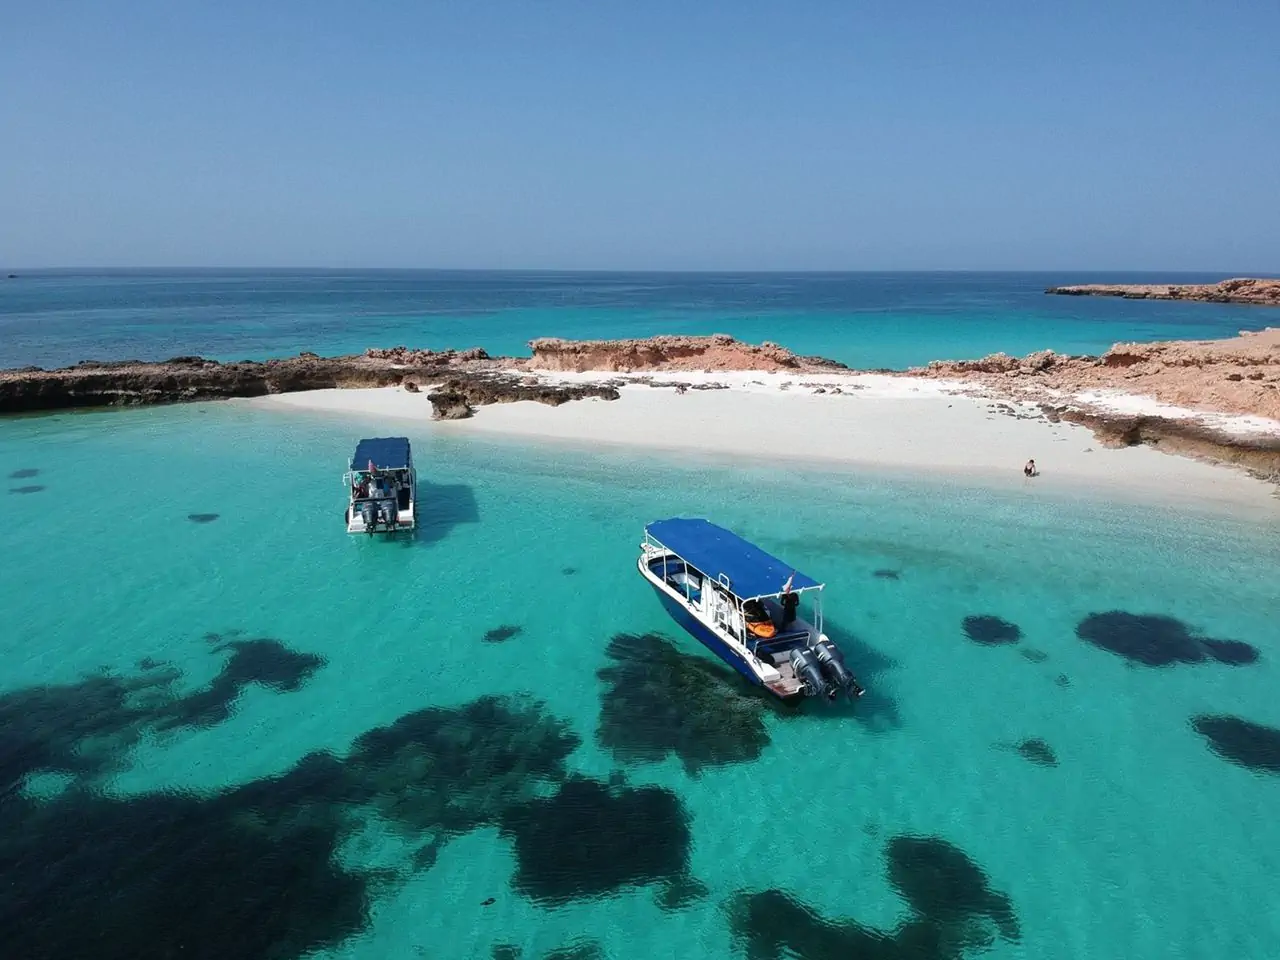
x=655, y=135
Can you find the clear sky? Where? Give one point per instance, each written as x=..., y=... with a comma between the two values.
x=1097, y=134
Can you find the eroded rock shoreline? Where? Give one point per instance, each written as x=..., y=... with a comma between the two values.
x=1214, y=387
x=1240, y=376
x=464, y=379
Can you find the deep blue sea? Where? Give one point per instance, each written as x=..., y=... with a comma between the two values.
x=230, y=730
x=867, y=320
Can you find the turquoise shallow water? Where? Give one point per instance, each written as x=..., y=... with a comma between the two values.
x=867, y=320
x=464, y=833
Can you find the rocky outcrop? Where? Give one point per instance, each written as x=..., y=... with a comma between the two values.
x=182, y=379
x=717, y=352
x=1206, y=378
x=473, y=376
x=1240, y=375
x=93, y=383
x=1237, y=290
x=1257, y=453
x=456, y=397
x=415, y=357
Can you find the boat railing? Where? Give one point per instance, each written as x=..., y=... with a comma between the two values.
x=652, y=545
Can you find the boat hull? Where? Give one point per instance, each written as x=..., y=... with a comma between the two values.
x=696, y=629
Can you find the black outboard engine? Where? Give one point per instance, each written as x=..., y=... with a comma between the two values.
x=369, y=510
x=808, y=671
x=832, y=661
x=389, y=513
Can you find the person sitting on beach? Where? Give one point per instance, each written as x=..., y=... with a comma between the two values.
x=1030, y=469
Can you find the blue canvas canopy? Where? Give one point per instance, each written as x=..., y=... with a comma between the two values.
x=716, y=551
x=387, y=453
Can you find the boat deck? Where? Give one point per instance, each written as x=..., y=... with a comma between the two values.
x=404, y=518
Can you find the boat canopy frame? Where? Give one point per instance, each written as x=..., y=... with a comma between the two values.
x=654, y=545
x=385, y=453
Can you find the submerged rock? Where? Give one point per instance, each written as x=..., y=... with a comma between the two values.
x=953, y=912
x=990, y=631
x=1252, y=745
x=658, y=702
x=1037, y=751
x=589, y=841
x=1155, y=640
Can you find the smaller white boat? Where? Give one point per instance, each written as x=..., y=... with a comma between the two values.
x=743, y=605
x=382, y=485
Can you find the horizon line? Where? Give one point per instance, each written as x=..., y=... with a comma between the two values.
x=1228, y=274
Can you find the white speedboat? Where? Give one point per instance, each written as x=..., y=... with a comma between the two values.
x=743, y=605
x=382, y=485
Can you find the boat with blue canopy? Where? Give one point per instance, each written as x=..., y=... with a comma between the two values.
x=383, y=486
x=744, y=605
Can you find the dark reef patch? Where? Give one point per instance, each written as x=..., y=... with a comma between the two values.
x=583, y=950
x=1033, y=655
x=941, y=883
x=449, y=770
x=262, y=661
x=202, y=517
x=1155, y=640
x=26, y=473
x=587, y=841
x=886, y=574
x=502, y=634
x=953, y=910
x=659, y=701
x=1248, y=744
x=1037, y=751
x=1062, y=680
x=991, y=631
x=29, y=488
x=238, y=874
x=1234, y=652
x=568, y=571
x=86, y=728
x=506, y=951
x=681, y=892
x=82, y=729
x=253, y=872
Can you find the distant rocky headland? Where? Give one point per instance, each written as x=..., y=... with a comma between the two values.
x=1251, y=290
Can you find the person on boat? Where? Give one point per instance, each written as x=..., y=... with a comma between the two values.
x=1030, y=469
x=790, y=601
x=759, y=623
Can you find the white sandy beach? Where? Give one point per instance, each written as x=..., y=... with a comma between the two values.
x=879, y=422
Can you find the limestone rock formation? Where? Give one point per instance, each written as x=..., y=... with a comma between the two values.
x=1240, y=375
x=1252, y=290
x=716, y=352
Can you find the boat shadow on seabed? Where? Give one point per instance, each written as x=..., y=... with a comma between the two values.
x=441, y=507
x=876, y=709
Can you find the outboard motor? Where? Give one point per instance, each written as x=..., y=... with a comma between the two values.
x=369, y=510
x=808, y=671
x=389, y=513
x=832, y=661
